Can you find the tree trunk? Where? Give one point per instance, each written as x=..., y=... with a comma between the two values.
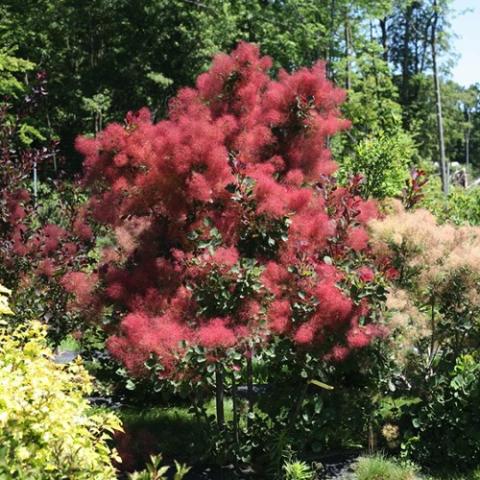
x=406, y=57
x=235, y=412
x=384, y=30
x=35, y=183
x=332, y=39
x=219, y=395
x=467, y=148
x=468, y=116
x=438, y=102
x=348, y=73
x=250, y=386
x=377, y=80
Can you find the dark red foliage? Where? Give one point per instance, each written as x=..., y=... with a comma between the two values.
x=34, y=251
x=413, y=192
x=237, y=180
x=134, y=448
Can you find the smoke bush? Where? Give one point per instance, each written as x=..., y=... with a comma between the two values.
x=227, y=223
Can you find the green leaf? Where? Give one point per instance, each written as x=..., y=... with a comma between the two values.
x=320, y=384
x=130, y=385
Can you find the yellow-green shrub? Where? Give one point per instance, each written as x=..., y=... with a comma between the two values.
x=47, y=428
x=383, y=160
x=4, y=308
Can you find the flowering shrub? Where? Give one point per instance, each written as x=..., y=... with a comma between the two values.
x=228, y=225
x=47, y=428
x=439, y=275
x=435, y=330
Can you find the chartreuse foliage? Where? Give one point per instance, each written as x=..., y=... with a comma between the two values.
x=12, y=89
x=10, y=67
x=4, y=308
x=47, y=429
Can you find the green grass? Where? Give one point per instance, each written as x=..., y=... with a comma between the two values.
x=380, y=468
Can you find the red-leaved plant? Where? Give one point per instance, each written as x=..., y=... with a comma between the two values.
x=41, y=232
x=228, y=224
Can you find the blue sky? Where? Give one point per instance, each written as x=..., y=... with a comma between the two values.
x=467, y=44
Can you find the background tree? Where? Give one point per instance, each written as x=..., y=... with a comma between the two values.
x=87, y=49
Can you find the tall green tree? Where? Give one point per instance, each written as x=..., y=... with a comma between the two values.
x=105, y=57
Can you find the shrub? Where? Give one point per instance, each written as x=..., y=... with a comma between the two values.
x=461, y=207
x=383, y=161
x=438, y=266
x=228, y=224
x=40, y=231
x=229, y=230
x=434, y=319
x=450, y=412
x=47, y=428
